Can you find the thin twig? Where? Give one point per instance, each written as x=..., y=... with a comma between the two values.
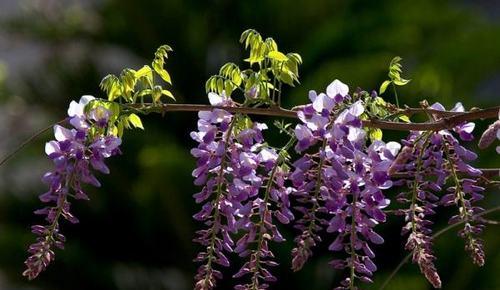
x=437, y=234
x=487, y=173
x=27, y=141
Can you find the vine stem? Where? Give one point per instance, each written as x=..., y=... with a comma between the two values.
x=218, y=194
x=449, y=119
x=437, y=234
x=395, y=94
x=27, y=141
x=353, y=242
x=270, y=182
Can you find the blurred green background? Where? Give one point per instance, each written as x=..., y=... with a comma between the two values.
x=136, y=231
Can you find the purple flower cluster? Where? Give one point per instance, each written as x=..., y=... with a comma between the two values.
x=233, y=164
x=76, y=153
x=464, y=194
x=215, y=137
x=428, y=160
x=422, y=161
x=257, y=222
x=340, y=187
x=465, y=191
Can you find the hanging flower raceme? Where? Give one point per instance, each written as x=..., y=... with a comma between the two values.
x=422, y=161
x=258, y=219
x=340, y=187
x=233, y=164
x=76, y=153
x=215, y=136
x=465, y=190
x=428, y=160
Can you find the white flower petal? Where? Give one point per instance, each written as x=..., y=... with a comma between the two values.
x=337, y=88
x=355, y=134
x=393, y=147
x=268, y=155
x=357, y=109
x=312, y=95
x=458, y=108
x=51, y=147
x=62, y=133
x=205, y=115
x=261, y=126
x=321, y=102
x=214, y=99
x=438, y=106
x=302, y=132
x=469, y=127
x=75, y=109
x=85, y=99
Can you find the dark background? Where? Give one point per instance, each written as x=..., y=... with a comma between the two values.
x=136, y=231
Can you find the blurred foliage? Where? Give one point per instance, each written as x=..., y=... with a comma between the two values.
x=136, y=231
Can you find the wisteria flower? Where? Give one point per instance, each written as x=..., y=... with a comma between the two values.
x=74, y=153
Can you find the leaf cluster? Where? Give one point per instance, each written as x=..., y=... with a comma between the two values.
x=261, y=82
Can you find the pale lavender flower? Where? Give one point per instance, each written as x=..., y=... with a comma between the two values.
x=74, y=153
x=339, y=188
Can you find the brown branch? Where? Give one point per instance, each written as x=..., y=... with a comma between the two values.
x=449, y=120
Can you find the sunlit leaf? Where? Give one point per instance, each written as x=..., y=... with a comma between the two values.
x=135, y=121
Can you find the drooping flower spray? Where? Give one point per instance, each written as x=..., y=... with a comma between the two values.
x=340, y=186
x=76, y=153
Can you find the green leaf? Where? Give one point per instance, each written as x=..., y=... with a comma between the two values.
x=145, y=70
x=278, y=56
x=384, y=86
x=375, y=134
x=168, y=94
x=112, y=86
x=158, y=67
x=404, y=118
x=160, y=55
x=401, y=82
x=135, y=121
x=286, y=78
x=146, y=75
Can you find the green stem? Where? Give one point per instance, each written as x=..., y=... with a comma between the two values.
x=464, y=213
x=395, y=94
x=315, y=207
x=415, y=181
x=353, y=241
x=260, y=239
x=218, y=195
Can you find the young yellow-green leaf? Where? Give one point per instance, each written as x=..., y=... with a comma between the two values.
x=375, y=134
x=276, y=55
x=404, y=118
x=401, y=82
x=384, y=86
x=168, y=94
x=112, y=86
x=120, y=127
x=135, y=121
x=144, y=71
x=286, y=78
x=158, y=67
